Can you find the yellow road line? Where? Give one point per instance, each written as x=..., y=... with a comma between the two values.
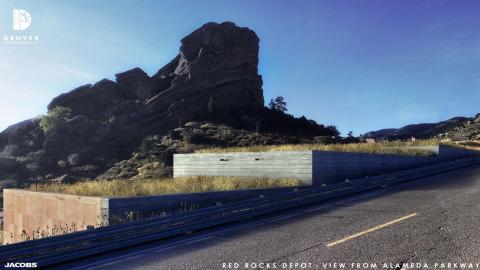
x=331, y=244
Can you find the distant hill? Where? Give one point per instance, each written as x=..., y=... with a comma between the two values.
x=456, y=129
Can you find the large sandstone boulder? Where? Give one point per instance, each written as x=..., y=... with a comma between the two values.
x=217, y=61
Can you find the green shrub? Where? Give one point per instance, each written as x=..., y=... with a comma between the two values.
x=55, y=118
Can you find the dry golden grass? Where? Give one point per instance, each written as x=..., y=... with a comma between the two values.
x=471, y=145
x=127, y=188
x=397, y=147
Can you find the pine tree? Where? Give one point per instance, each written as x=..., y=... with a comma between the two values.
x=278, y=104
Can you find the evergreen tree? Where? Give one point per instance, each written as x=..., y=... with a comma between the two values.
x=278, y=104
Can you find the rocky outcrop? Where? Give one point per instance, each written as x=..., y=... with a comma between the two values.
x=153, y=159
x=109, y=118
x=21, y=146
x=217, y=61
x=214, y=76
x=21, y=139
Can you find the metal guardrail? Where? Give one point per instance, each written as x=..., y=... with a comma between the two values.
x=64, y=248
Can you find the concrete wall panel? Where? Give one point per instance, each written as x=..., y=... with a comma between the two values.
x=290, y=164
x=29, y=214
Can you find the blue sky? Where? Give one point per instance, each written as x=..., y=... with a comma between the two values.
x=359, y=65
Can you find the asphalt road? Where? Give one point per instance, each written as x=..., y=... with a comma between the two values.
x=434, y=220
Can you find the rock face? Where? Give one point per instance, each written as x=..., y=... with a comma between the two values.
x=215, y=75
x=217, y=62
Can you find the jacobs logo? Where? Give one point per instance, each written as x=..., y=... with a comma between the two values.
x=21, y=265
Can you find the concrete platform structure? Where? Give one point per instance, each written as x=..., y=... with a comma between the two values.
x=312, y=167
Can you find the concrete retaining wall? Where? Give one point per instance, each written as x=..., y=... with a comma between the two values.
x=331, y=167
x=29, y=214
x=26, y=212
x=288, y=164
x=312, y=167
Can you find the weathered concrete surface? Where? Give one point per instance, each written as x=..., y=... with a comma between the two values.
x=312, y=167
x=29, y=214
x=285, y=164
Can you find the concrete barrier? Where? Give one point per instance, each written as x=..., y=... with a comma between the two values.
x=311, y=167
x=31, y=214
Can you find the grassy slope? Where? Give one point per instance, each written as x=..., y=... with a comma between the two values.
x=126, y=188
x=399, y=148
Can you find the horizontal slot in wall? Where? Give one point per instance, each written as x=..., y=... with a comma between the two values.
x=288, y=164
